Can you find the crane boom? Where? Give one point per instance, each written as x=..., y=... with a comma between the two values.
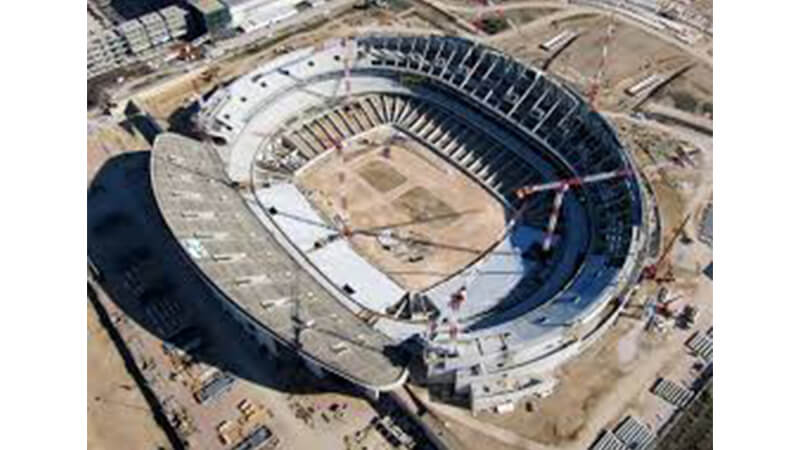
x=650, y=271
x=551, y=225
x=526, y=191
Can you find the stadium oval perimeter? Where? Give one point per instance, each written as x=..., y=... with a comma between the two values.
x=246, y=228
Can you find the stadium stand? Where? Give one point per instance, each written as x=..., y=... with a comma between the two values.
x=503, y=124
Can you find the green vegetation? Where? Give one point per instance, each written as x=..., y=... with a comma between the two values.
x=492, y=25
x=684, y=101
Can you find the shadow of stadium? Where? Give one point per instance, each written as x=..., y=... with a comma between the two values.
x=145, y=275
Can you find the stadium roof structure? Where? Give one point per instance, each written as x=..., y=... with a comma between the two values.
x=212, y=222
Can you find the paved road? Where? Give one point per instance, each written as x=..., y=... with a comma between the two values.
x=504, y=6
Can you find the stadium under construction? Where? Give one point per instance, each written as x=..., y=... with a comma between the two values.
x=279, y=210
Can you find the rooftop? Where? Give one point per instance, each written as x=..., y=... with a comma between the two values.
x=207, y=6
x=233, y=249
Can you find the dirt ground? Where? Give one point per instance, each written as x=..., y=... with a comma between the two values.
x=430, y=208
x=162, y=100
x=106, y=139
x=563, y=415
x=116, y=410
x=608, y=381
x=632, y=53
x=691, y=92
x=523, y=16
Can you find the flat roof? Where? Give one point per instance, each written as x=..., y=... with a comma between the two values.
x=207, y=6
x=296, y=217
x=232, y=248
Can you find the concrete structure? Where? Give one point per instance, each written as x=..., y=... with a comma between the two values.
x=703, y=345
x=114, y=47
x=630, y=433
x=501, y=123
x=213, y=13
x=244, y=263
x=106, y=50
x=135, y=35
x=558, y=40
x=175, y=20
x=253, y=14
x=672, y=392
x=645, y=83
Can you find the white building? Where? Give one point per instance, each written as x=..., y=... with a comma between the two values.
x=252, y=14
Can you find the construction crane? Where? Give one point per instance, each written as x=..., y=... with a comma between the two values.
x=553, y=220
x=339, y=144
x=651, y=272
x=561, y=186
x=526, y=191
x=594, y=84
x=478, y=20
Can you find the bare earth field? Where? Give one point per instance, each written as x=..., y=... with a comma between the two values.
x=430, y=207
x=632, y=53
x=692, y=92
x=107, y=139
x=116, y=410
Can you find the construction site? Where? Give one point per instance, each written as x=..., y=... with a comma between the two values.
x=416, y=208
x=416, y=224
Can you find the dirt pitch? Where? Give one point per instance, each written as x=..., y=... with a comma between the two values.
x=421, y=198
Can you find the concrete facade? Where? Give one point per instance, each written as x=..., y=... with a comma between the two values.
x=439, y=90
x=113, y=47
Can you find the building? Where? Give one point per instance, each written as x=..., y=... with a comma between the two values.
x=493, y=119
x=113, y=47
x=249, y=15
x=175, y=19
x=213, y=14
x=106, y=50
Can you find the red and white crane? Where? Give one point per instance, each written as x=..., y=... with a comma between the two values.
x=481, y=7
x=594, y=84
x=339, y=144
x=551, y=224
x=526, y=191
x=561, y=186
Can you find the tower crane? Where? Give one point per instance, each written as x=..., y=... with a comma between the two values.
x=339, y=144
x=650, y=272
x=561, y=187
x=594, y=84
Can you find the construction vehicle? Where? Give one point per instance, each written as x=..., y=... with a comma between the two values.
x=687, y=317
x=209, y=74
x=651, y=272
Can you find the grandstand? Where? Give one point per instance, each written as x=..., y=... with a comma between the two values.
x=253, y=230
